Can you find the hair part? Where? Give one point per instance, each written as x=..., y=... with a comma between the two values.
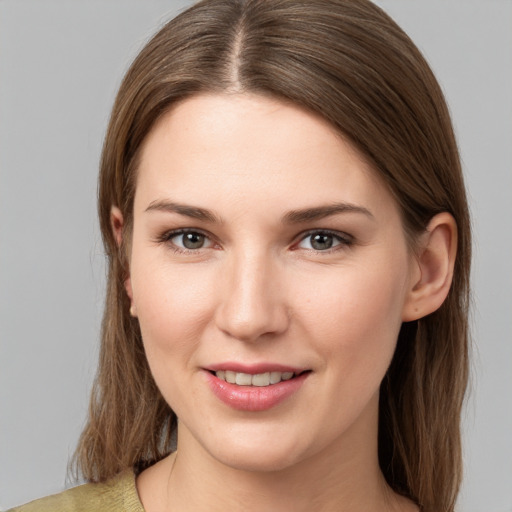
x=347, y=61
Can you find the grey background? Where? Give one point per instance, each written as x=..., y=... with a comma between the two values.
x=60, y=64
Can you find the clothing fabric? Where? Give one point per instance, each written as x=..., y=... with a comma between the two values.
x=116, y=495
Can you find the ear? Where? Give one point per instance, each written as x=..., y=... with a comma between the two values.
x=433, y=274
x=117, y=224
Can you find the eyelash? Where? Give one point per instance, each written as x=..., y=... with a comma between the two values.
x=166, y=238
x=344, y=240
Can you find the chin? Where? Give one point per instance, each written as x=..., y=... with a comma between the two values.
x=254, y=453
x=255, y=460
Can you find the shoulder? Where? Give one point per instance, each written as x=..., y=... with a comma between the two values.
x=116, y=495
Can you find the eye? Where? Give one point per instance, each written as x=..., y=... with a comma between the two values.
x=323, y=241
x=188, y=240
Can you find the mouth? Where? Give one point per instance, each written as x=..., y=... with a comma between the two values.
x=259, y=379
x=258, y=388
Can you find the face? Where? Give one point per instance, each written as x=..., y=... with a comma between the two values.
x=269, y=272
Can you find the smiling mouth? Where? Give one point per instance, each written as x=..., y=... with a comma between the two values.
x=259, y=379
x=255, y=390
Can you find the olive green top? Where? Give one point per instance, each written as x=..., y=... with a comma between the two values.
x=116, y=495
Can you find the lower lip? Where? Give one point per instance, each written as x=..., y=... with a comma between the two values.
x=254, y=398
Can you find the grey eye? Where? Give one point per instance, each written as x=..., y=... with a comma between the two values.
x=190, y=240
x=321, y=241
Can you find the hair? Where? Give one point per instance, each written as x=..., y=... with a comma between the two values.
x=347, y=61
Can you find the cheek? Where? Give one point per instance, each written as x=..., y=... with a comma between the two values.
x=355, y=316
x=173, y=305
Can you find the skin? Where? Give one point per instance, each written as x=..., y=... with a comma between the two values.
x=259, y=290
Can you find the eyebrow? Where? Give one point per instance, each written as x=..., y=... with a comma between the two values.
x=193, y=212
x=321, y=212
x=291, y=217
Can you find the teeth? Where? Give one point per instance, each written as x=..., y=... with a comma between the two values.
x=260, y=379
x=275, y=377
x=243, y=379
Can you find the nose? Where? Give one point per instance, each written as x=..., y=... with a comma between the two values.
x=252, y=299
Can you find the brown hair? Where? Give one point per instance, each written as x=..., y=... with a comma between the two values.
x=349, y=62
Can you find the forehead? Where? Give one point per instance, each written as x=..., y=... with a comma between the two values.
x=219, y=146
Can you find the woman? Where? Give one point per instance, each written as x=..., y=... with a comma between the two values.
x=284, y=214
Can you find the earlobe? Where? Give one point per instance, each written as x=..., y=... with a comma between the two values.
x=435, y=261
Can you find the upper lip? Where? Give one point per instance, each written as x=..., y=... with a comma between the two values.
x=254, y=369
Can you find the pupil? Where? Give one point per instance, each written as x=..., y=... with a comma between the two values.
x=321, y=242
x=193, y=240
